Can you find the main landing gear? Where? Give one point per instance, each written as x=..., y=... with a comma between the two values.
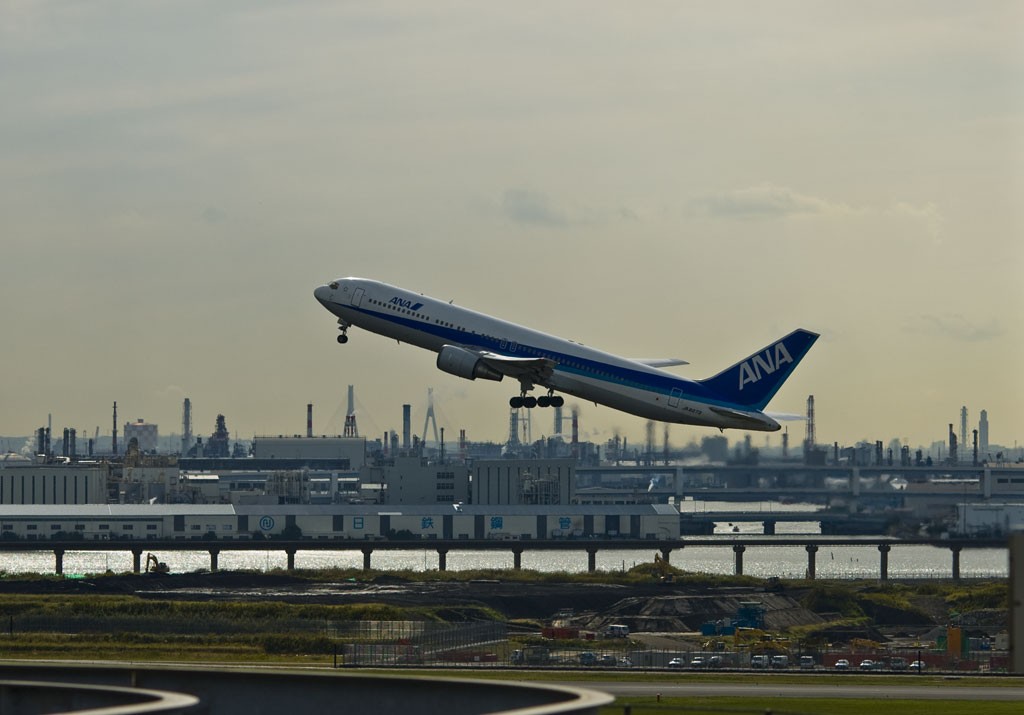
x=529, y=401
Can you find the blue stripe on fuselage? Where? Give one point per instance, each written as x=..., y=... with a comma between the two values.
x=592, y=369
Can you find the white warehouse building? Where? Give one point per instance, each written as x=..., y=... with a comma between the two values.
x=441, y=521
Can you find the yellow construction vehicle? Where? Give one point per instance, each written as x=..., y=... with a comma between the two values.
x=155, y=566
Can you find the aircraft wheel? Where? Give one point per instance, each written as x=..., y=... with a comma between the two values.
x=529, y=402
x=557, y=401
x=515, y=402
x=343, y=338
x=543, y=401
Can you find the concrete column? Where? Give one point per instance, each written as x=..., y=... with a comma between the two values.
x=956, y=561
x=591, y=560
x=986, y=483
x=59, y=556
x=769, y=527
x=136, y=560
x=738, y=549
x=366, y=559
x=883, y=567
x=291, y=558
x=665, y=553
x=855, y=481
x=517, y=559
x=214, y=553
x=442, y=559
x=812, y=550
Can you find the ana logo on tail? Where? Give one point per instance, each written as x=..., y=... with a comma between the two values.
x=752, y=370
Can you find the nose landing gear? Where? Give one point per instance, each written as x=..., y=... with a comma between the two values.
x=343, y=327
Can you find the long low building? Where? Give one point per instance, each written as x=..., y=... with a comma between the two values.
x=441, y=521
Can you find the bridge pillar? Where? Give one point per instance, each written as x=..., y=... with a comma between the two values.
x=956, y=561
x=883, y=567
x=366, y=559
x=517, y=559
x=59, y=556
x=812, y=550
x=591, y=559
x=442, y=559
x=136, y=560
x=665, y=553
x=291, y=558
x=738, y=550
x=769, y=527
x=214, y=553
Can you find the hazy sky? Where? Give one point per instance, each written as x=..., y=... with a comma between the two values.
x=658, y=179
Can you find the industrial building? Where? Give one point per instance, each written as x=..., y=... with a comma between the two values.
x=56, y=483
x=145, y=433
x=352, y=449
x=441, y=521
x=989, y=519
x=524, y=481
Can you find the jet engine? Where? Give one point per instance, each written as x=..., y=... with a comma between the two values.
x=464, y=363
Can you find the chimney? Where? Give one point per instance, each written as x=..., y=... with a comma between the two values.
x=309, y=420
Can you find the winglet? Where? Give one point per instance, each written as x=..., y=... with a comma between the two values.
x=753, y=381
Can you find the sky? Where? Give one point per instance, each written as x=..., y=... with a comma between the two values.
x=658, y=179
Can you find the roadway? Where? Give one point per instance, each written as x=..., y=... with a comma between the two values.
x=836, y=688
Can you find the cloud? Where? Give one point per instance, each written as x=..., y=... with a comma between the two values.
x=955, y=326
x=763, y=202
x=532, y=207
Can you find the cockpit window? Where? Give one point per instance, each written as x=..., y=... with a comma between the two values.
x=334, y=285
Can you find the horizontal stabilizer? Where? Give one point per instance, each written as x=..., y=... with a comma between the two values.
x=660, y=362
x=736, y=415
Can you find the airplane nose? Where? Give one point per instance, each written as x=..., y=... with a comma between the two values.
x=323, y=294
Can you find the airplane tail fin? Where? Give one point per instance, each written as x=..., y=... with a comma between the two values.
x=753, y=381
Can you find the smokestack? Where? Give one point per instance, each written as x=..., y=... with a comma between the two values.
x=73, y=448
x=558, y=419
x=406, y=425
x=186, y=427
x=309, y=419
x=66, y=444
x=351, y=401
x=113, y=442
x=575, y=434
x=41, y=440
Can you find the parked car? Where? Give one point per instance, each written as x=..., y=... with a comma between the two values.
x=842, y=664
x=588, y=658
x=780, y=661
x=898, y=663
x=806, y=662
x=758, y=661
x=715, y=661
x=606, y=659
x=867, y=664
x=697, y=662
x=676, y=663
x=918, y=665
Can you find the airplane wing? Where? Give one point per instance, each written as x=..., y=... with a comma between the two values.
x=660, y=362
x=536, y=370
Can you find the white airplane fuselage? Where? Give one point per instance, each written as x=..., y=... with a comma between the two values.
x=501, y=348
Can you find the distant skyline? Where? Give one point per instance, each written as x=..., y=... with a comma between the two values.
x=684, y=180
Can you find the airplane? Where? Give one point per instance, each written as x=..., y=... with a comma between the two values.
x=473, y=346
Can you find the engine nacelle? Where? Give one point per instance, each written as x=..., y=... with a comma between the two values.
x=463, y=363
